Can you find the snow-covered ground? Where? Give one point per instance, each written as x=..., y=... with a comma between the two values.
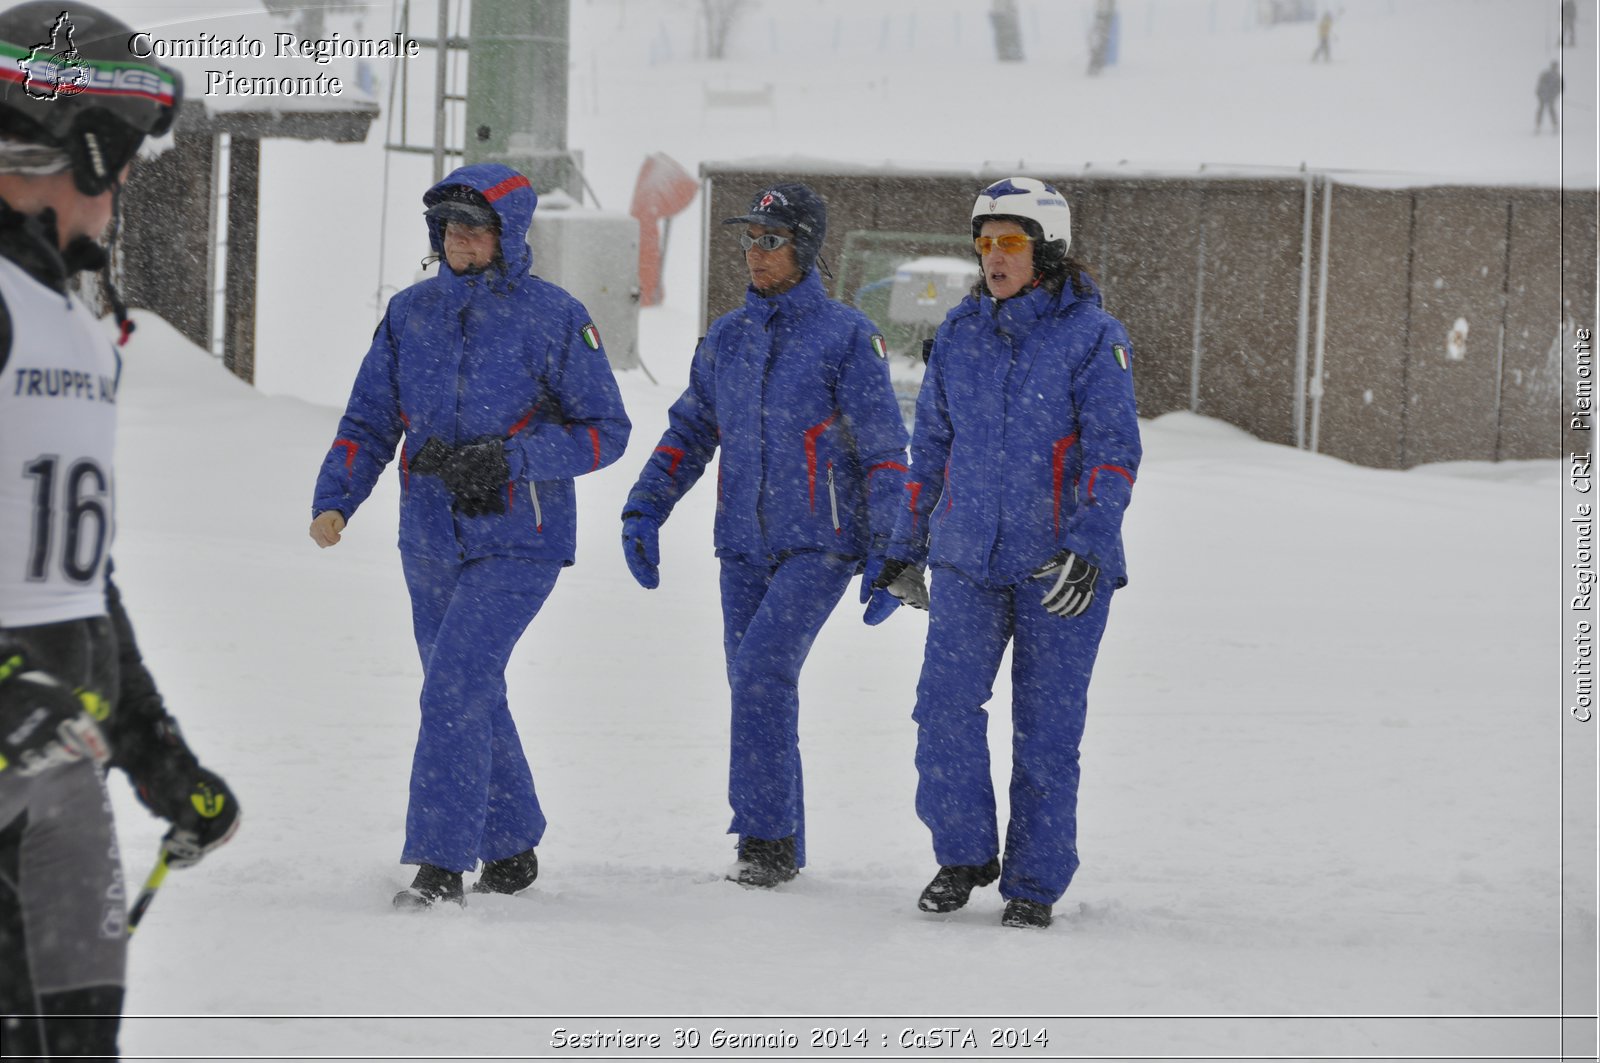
x=1321, y=777
x=1318, y=777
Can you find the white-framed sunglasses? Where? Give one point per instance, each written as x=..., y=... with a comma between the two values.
x=766, y=241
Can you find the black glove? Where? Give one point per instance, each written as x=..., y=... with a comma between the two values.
x=1072, y=582
x=202, y=810
x=904, y=581
x=43, y=723
x=432, y=458
x=477, y=474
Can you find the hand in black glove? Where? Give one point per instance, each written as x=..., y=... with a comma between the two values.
x=897, y=583
x=202, y=810
x=43, y=724
x=432, y=458
x=1071, y=581
x=477, y=474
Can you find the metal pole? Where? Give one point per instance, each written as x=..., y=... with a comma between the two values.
x=1199, y=308
x=1322, y=315
x=441, y=75
x=1302, y=324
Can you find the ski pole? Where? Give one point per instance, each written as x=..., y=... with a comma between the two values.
x=141, y=904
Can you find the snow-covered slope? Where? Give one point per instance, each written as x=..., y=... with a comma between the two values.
x=1317, y=777
x=1320, y=776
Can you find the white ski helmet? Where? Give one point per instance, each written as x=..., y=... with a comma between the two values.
x=1030, y=199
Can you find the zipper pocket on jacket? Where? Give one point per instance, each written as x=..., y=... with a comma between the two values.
x=833, y=500
x=538, y=513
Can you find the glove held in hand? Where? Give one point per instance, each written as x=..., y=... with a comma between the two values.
x=477, y=475
x=897, y=583
x=202, y=810
x=432, y=458
x=43, y=724
x=1072, y=581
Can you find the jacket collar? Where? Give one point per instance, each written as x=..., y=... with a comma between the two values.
x=1021, y=312
x=802, y=298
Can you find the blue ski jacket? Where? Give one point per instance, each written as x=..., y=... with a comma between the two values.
x=1026, y=440
x=795, y=390
x=465, y=357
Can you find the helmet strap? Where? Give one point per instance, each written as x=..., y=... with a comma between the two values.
x=118, y=310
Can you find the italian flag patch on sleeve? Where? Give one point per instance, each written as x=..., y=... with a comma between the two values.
x=1123, y=356
x=879, y=348
x=591, y=336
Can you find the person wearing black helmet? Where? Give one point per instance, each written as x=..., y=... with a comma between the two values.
x=793, y=387
x=74, y=692
x=1023, y=459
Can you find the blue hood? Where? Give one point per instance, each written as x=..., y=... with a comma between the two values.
x=512, y=197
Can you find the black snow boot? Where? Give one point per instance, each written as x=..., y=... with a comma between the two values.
x=1020, y=912
x=510, y=874
x=952, y=886
x=432, y=885
x=764, y=864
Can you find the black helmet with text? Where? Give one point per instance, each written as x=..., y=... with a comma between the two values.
x=69, y=81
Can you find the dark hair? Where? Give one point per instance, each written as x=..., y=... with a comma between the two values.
x=1051, y=261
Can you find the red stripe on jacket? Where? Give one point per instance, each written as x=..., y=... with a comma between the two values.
x=1058, y=469
x=1118, y=469
x=350, y=447
x=520, y=425
x=675, y=454
x=506, y=187
x=811, y=458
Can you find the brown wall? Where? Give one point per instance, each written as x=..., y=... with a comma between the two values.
x=1458, y=258
x=1402, y=267
x=1142, y=249
x=163, y=265
x=1364, y=329
x=1249, y=311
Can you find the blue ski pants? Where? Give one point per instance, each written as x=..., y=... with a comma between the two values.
x=969, y=625
x=770, y=617
x=472, y=792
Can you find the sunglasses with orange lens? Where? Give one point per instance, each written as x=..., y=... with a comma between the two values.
x=1010, y=243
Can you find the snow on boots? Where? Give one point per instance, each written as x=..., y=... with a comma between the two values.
x=432, y=885
x=952, y=886
x=764, y=864
x=511, y=874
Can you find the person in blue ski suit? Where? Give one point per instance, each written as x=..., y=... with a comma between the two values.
x=1023, y=458
x=794, y=388
x=494, y=386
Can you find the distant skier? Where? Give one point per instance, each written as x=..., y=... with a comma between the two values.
x=497, y=383
x=1105, y=16
x=1569, y=22
x=1022, y=463
x=1548, y=90
x=793, y=389
x=74, y=691
x=1324, y=38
